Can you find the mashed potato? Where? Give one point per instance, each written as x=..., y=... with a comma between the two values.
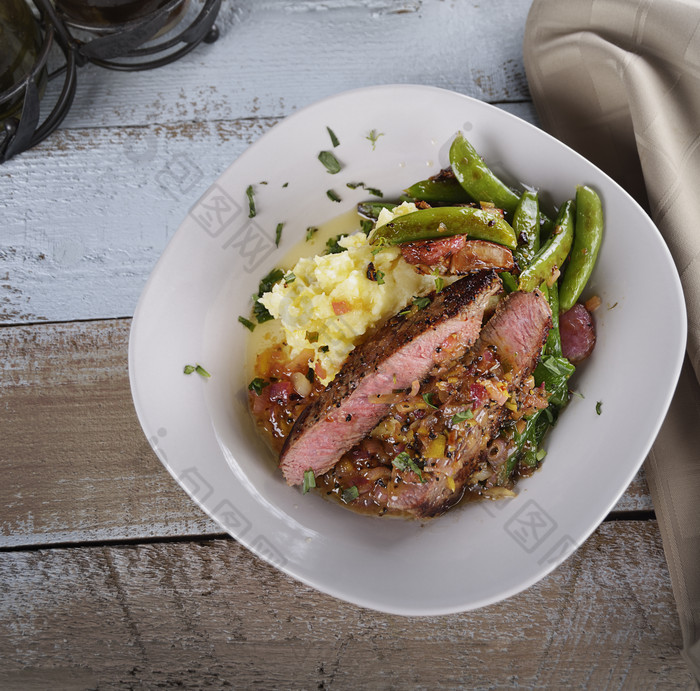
x=331, y=302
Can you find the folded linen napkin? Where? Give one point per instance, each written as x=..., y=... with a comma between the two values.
x=619, y=81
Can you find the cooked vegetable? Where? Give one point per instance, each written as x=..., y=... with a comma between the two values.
x=588, y=235
x=526, y=224
x=370, y=210
x=545, y=266
x=480, y=183
x=445, y=221
x=439, y=190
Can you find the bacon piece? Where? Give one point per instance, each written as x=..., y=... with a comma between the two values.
x=457, y=255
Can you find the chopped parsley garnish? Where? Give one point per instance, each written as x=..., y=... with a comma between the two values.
x=257, y=385
x=251, y=201
x=380, y=277
x=461, y=417
x=310, y=232
x=310, y=375
x=332, y=246
x=261, y=312
x=312, y=336
x=439, y=281
x=334, y=140
x=188, y=369
x=426, y=398
x=372, y=190
x=599, y=407
x=265, y=286
x=290, y=277
x=421, y=303
x=333, y=196
x=286, y=184
x=349, y=494
x=309, y=480
x=372, y=136
x=330, y=161
x=247, y=323
x=379, y=245
x=278, y=234
x=266, y=283
x=324, y=348
x=404, y=462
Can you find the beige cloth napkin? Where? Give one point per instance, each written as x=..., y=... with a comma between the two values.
x=619, y=81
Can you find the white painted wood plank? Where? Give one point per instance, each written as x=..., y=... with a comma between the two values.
x=76, y=466
x=86, y=215
x=209, y=614
x=275, y=56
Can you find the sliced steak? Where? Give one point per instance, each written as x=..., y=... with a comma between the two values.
x=402, y=351
x=489, y=382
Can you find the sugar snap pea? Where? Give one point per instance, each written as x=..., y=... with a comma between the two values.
x=446, y=221
x=553, y=344
x=477, y=178
x=588, y=235
x=441, y=190
x=547, y=262
x=371, y=210
x=526, y=224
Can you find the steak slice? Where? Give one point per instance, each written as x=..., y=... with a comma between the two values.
x=491, y=376
x=402, y=351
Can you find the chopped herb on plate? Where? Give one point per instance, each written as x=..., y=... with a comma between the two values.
x=334, y=140
x=251, y=201
x=247, y=323
x=309, y=481
x=330, y=161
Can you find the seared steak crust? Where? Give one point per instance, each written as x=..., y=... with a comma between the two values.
x=404, y=350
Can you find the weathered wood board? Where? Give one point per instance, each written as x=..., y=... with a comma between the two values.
x=76, y=466
x=86, y=215
x=201, y=614
x=275, y=56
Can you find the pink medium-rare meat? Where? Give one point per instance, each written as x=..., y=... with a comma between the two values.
x=402, y=351
x=510, y=343
x=577, y=333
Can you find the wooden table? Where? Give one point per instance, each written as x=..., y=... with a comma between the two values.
x=110, y=576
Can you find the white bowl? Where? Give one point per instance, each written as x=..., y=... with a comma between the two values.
x=200, y=428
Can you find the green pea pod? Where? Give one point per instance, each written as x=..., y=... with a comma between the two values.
x=480, y=183
x=526, y=224
x=553, y=344
x=588, y=235
x=370, y=210
x=439, y=191
x=510, y=283
x=446, y=221
x=549, y=259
